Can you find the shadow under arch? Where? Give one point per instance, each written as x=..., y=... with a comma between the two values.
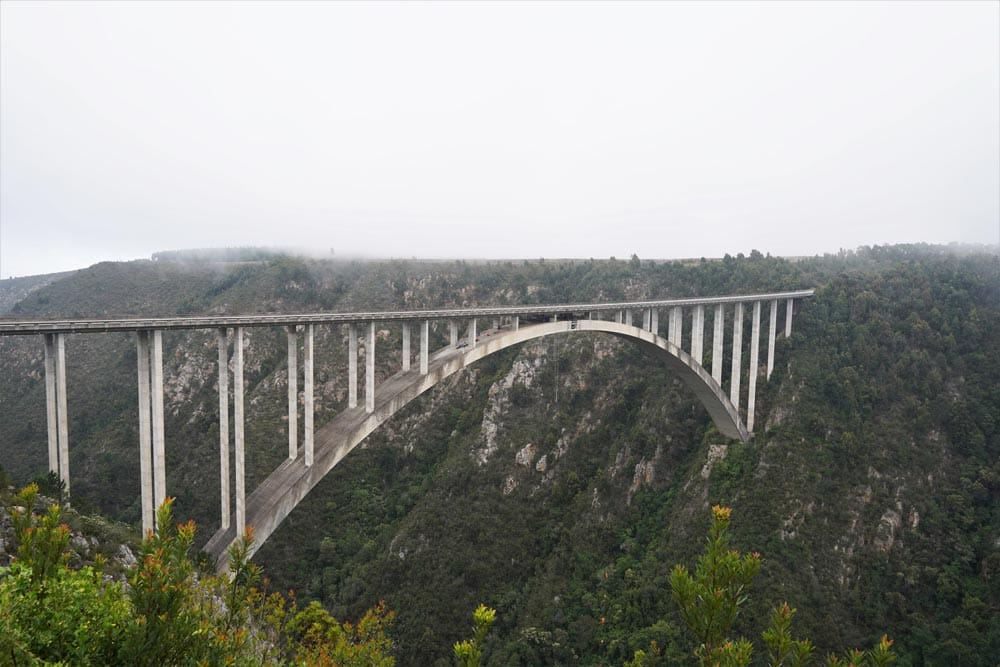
x=276, y=497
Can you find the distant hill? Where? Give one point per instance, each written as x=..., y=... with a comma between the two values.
x=14, y=290
x=558, y=482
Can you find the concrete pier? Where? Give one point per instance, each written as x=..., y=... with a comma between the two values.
x=754, y=363
x=655, y=324
x=472, y=333
x=145, y=433
x=789, y=309
x=453, y=333
x=309, y=396
x=63, y=423
x=156, y=394
x=628, y=318
x=647, y=319
x=406, y=346
x=771, y=333
x=619, y=317
x=717, y=339
x=676, y=327
x=241, y=491
x=223, y=345
x=698, y=333
x=352, y=366
x=517, y=323
x=55, y=406
x=734, y=382
x=425, y=333
x=370, y=369
x=293, y=392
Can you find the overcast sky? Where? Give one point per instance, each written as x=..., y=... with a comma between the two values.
x=494, y=130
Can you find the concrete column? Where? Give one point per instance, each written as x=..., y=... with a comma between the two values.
x=555, y=318
x=698, y=333
x=145, y=433
x=453, y=333
x=496, y=323
x=241, y=492
x=352, y=366
x=628, y=318
x=789, y=309
x=517, y=322
x=308, y=391
x=425, y=331
x=720, y=318
x=647, y=319
x=293, y=393
x=472, y=333
x=62, y=423
x=676, y=327
x=734, y=383
x=406, y=346
x=771, y=332
x=754, y=362
x=156, y=394
x=370, y=369
x=50, y=402
x=223, y=345
x=619, y=316
x=655, y=323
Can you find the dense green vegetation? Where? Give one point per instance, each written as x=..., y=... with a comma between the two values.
x=870, y=488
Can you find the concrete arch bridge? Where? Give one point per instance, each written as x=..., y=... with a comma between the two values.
x=320, y=450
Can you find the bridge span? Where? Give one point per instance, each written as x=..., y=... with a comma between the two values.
x=321, y=450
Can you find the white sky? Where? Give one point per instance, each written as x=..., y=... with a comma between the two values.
x=494, y=130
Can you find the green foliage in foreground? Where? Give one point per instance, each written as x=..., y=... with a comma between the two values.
x=168, y=614
x=711, y=598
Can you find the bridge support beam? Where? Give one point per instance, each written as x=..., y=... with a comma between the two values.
x=734, y=382
x=655, y=324
x=159, y=454
x=698, y=333
x=453, y=333
x=223, y=345
x=309, y=397
x=676, y=327
x=352, y=366
x=241, y=491
x=717, y=335
x=406, y=346
x=370, y=369
x=628, y=318
x=145, y=433
x=771, y=332
x=754, y=363
x=517, y=322
x=55, y=406
x=619, y=316
x=789, y=309
x=425, y=331
x=647, y=319
x=472, y=333
x=293, y=392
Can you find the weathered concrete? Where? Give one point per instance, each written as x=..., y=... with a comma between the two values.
x=517, y=323
x=293, y=393
x=628, y=318
x=789, y=309
x=145, y=432
x=50, y=402
x=472, y=333
x=655, y=326
x=62, y=427
x=425, y=335
x=754, y=363
x=698, y=332
x=278, y=495
x=676, y=325
x=241, y=497
x=620, y=317
x=771, y=333
x=370, y=369
x=717, y=340
x=309, y=392
x=734, y=382
x=647, y=319
x=406, y=346
x=352, y=366
x=453, y=333
x=156, y=394
x=223, y=345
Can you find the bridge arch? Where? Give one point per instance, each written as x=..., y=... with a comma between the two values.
x=276, y=497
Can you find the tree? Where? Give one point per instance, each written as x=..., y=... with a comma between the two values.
x=469, y=652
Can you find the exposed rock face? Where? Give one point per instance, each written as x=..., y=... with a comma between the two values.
x=716, y=453
x=522, y=372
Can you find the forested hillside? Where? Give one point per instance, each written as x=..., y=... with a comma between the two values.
x=560, y=481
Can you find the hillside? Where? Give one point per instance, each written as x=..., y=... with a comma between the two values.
x=558, y=482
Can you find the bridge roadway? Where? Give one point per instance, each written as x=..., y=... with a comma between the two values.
x=24, y=327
